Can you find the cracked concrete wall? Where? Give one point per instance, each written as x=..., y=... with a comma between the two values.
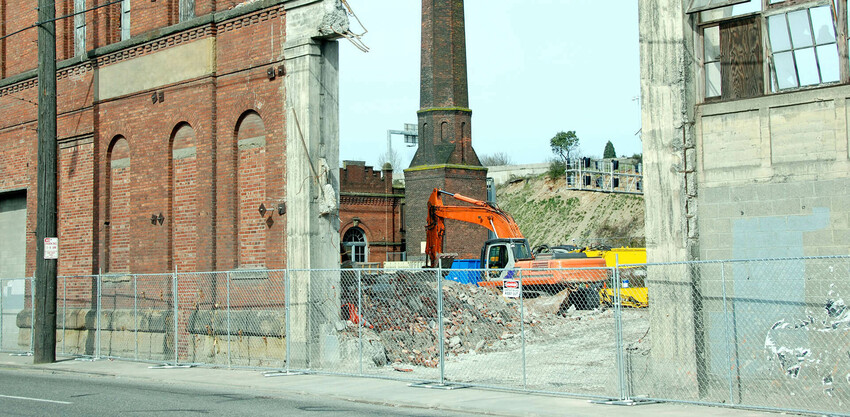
x=743, y=179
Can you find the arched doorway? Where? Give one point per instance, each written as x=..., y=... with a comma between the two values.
x=354, y=242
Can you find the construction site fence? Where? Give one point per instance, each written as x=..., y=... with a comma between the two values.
x=771, y=334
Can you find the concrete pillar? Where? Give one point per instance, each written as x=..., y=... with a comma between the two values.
x=667, y=103
x=312, y=185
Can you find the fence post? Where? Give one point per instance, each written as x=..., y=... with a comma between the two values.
x=64, y=309
x=98, y=312
x=229, y=360
x=136, y=317
x=287, y=330
x=522, y=330
x=727, y=334
x=174, y=301
x=618, y=331
x=439, y=272
x=32, y=314
x=360, y=318
x=2, y=290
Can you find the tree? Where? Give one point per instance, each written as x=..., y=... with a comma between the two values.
x=496, y=159
x=609, y=151
x=390, y=157
x=565, y=144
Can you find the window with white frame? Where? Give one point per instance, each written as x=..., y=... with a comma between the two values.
x=354, y=242
x=79, y=27
x=756, y=47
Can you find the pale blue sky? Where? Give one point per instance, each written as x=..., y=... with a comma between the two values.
x=535, y=67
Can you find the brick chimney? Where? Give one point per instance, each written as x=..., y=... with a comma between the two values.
x=445, y=158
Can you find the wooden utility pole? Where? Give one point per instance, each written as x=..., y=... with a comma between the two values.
x=44, y=349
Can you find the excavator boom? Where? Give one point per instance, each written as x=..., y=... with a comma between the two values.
x=481, y=213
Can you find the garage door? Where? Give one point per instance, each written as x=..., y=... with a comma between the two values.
x=13, y=222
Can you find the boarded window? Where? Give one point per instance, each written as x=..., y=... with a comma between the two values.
x=184, y=198
x=119, y=207
x=251, y=191
x=741, y=63
x=732, y=59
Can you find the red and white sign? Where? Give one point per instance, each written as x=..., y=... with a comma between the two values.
x=510, y=288
x=51, y=248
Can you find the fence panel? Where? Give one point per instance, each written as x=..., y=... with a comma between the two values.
x=253, y=322
x=13, y=301
x=397, y=319
x=758, y=333
x=76, y=329
x=766, y=333
x=153, y=311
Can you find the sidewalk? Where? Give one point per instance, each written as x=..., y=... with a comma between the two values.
x=373, y=391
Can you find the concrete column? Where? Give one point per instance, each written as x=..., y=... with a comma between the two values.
x=312, y=186
x=667, y=99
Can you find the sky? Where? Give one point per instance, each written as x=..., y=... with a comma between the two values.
x=534, y=67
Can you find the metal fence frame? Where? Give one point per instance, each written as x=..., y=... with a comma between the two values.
x=621, y=367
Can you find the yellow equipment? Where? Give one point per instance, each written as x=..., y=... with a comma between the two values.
x=636, y=295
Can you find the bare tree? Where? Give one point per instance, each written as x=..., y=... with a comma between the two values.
x=390, y=157
x=496, y=159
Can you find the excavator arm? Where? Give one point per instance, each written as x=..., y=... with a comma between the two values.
x=480, y=212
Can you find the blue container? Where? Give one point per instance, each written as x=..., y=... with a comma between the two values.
x=471, y=276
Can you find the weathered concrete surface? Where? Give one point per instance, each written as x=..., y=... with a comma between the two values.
x=667, y=98
x=172, y=65
x=312, y=182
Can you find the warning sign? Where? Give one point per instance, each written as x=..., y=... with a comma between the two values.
x=510, y=288
x=51, y=248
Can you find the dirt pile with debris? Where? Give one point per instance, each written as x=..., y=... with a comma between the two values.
x=400, y=310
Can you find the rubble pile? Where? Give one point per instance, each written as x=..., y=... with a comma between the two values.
x=401, y=310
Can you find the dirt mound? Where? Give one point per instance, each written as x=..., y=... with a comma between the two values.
x=548, y=213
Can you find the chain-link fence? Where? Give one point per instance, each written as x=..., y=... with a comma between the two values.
x=771, y=334
x=14, y=298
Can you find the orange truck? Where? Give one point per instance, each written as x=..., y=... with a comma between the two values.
x=508, y=256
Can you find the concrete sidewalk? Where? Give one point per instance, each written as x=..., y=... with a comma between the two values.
x=371, y=391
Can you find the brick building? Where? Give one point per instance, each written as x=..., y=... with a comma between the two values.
x=370, y=211
x=172, y=131
x=194, y=135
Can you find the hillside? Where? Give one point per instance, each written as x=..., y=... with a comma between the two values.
x=548, y=213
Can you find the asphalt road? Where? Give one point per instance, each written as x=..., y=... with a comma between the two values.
x=28, y=393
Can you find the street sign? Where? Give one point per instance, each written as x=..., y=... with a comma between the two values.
x=51, y=248
x=510, y=288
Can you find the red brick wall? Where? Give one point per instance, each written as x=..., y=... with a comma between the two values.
x=367, y=196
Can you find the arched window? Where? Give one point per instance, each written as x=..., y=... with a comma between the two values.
x=355, y=244
x=183, y=198
x=119, y=206
x=251, y=183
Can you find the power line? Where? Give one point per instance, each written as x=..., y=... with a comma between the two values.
x=37, y=24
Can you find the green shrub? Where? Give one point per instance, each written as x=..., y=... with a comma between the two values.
x=557, y=169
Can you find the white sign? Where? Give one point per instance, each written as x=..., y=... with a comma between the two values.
x=51, y=248
x=510, y=288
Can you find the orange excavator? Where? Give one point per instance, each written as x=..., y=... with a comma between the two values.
x=508, y=256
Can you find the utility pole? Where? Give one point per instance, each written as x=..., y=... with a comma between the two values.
x=44, y=328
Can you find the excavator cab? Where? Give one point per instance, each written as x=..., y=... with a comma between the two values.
x=498, y=256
